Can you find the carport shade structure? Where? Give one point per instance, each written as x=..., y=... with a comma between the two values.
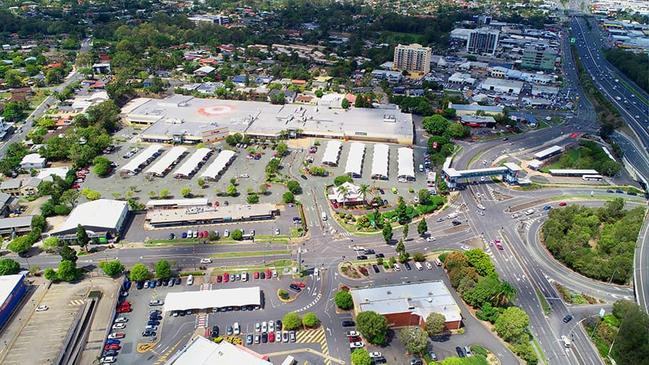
x=193, y=163
x=380, y=161
x=207, y=299
x=406, y=163
x=219, y=164
x=167, y=161
x=332, y=153
x=354, y=166
x=144, y=158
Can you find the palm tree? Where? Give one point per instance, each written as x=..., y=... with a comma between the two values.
x=505, y=294
x=363, y=189
x=342, y=190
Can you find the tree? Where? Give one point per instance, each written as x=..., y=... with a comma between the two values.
x=67, y=271
x=281, y=149
x=406, y=228
x=387, y=233
x=512, y=324
x=51, y=244
x=101, y=166
x=201, y=183
x=231, y=190
x=339, y=180
x=82, y=237
x=424, y=196
x=361, y=357
x=263, y=189
x=288, y=197
x=435, y=124
x=283, y=294
x=632, y=341
x=345, y=104
x=294, y=187
x=414, y=339
x=113, y=268
x=237, y=235
x=400, y=248
x=373, y=326
x=457, y=130
x=344, y=300
x=310, y=320
x=186, y=192
x=164, y=193
x=50, y=274
x=20, y=245
x=435, y=323
x=480, y=261
x=163, y=269
x=291, y=321
x=68, y=253
x=139, y=272
x=422, y=227
x=252, y=198
x=9, y=267
x=402, y=211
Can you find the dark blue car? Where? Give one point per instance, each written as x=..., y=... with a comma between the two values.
x=111, y=341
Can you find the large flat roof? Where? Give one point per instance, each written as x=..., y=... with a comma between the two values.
x=380, y=160
x=191, y=164
x=574, y=172
x=232, y=212
x=265, y=119
x=206, y=299
x=547, y=152
x=355, y=157
x=421, y=298
x=101, y=213
x=406, y=160
x=219, y=164
x=7, y=285
x=140, y=159
x=201, y=351
x=332, y=152
x=168, y=159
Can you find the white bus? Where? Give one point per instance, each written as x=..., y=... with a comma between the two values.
x=592, y=177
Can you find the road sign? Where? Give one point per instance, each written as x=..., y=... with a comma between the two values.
x=602, y=312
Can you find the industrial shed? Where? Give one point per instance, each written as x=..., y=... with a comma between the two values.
x=12, y=290
x=217, y=167
x=102, y=219
x=140, y=161
x=406, y=164
x=380, y=161
x=193, y=163
x=167, y=161
x=354, y=166
x=332, y=153
x=208, y=299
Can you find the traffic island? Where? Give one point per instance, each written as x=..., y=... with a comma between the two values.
x=286, y=298
x=350, y=271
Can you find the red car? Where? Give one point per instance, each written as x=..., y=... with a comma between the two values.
x=112, y=346
x=226, y=277
x=562, y=204
x=498, y=244
x=206, y=234
x=301, y=284
x=256, y=275
x=219, y=278
x=268, y=274
x=355, y=339
x=271, y=336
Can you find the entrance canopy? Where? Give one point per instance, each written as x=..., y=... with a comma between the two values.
x=207, y=299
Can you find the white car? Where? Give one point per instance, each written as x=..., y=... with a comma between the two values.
x=264, y=326
x=397, y=267
x=119, y=326
x=226, y=233
x=108, y=359
x=429, y=266
x=190, y=280
x=42, y=308
x=271, y=326
x=206, y=261
x=116, y=335
x=156, y=302
x=276, y=231
x=356, y=345
x=257, y=327
x=352, y=333
x=121, y=320
x=375, y=354
x=237, y=329
x=430, y=239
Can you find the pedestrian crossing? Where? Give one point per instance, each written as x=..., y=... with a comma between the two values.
x=76, y=302
x=201, y=320
x=314, y=302
x=316, y=336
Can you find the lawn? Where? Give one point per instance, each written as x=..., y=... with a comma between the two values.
x=589, y=155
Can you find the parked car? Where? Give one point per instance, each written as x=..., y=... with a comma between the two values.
x=285, y=338
x=42, y=308
x=348, y=323
x=117, y=335
x=291, y=335
x=156, y=303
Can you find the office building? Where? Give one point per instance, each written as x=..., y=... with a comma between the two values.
x=535, y=58
x=483, y=40
x=413, y=57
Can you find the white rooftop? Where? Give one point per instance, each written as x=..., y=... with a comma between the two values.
x=138, y=160
x=201, y=351
x=32, y=158
x=421, y=299
x=406, y=162
x=219, y=163
x=7, y=285
x=167, y=160
x=206, y=299
x=355, y=159
x=547, y=152
x=332, y=152
x=102, y=213
x=192, y=162
x=380, y=160
x=193, y=202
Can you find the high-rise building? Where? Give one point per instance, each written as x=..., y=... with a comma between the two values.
x=413, y=57
x=482, y=40
x=539, y=58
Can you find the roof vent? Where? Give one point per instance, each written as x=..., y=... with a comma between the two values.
x=389, y=292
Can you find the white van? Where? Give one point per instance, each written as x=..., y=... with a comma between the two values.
x=324, y=216
x=418, y=266
x=190, y=280
x=566, y=342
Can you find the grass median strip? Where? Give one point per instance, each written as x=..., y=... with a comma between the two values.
x=225, y=255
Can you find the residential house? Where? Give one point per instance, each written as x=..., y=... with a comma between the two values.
x=33, y=161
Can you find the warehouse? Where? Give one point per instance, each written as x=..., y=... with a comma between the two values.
x=12, y=290
x=140, y=161
x=548, y=152
x=332, y=153
x=103, y=219
x=406, y=165
x=502, y=86
x=210, y=215
x=473, y=109
x=354, y=166
x=179, y=118
x=219, y=164
x=410, y=304
x=167, y=162
x=193, y=163
x=380, y=160
x=176, y=203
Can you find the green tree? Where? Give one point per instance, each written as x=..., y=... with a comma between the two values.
x=112, y=268
x=424, y=196
x=294, y=187
x=283, y=294
x=67, y=253
x=344, y=300
x=291, y=321
x=186, y=192
x=435, y=124
x=237, y=235
x=512, y=324
x=288, y=197
x=82, y=237
x=281, y=149
x=387, y=233
x=67, y=271
x=163, y=269
x=373, y=326
x=422, y=227
x=201, y=183
x=435, y=324
x=457, y=130
x=50, y=274
x=406, y=228
x=21, y=244
x=231, y=190
x=339, y=180
x=252, y=198
x=361, y=357
x=480, y=261
x=51, y=244
x=414, y=339
x=101, y=166
x=164, y=194
x=632, y=342
x=401, y=247
x=139, y=272
x=310, y=320
x=9, y=267
x=345, y=104
x=402, y=211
